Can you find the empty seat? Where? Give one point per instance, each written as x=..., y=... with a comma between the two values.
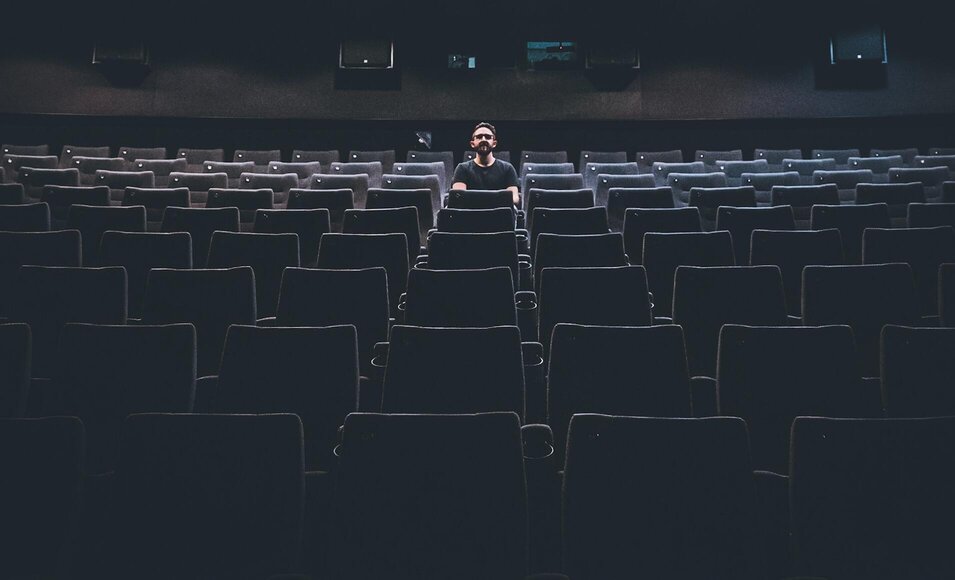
x=541, y=157
x=480, y=199
x=12, y=194
x=70, y=151
x=280, y=184
x=200, y=223
x=704, y=299
x=922, y=215
x=683, y=183
x=806, y=167
x=326, y=158
x=917, y=371
x=178, y=491
x=897, y=196
x=141, y=252
x=592, y=371
x=309, y=371
x=947, y=161
x=740, y=222
x=710, y=199
x=460, y=298
x=845, y=180
x=307, y=224
x=233, y=170
x=354, y=251
x=15, y=355
x=437, y=168
x=948, y=192
x=646, y=159
x=35, y=180
x=313, y=297
x=107, y=372
x=931, y=179
x=385, y=157
x=156, y=200
x=557, y=198
x=211, y=300
x=604, y=182
x=879, y=166
x=195, y=158
x=92, y=221
x=446, y=158
x=664, y=252
x=373, y=170
x=12, y=164
x=924, y=249
x=802, y=197
x=792, y=251
x=771, y=375
x=941, y=150
x=132, y=154
x=622, y=199
x=26, y=149
x=42, y=487
x=638, y=221
x=734, y=170
x=61, y=197
x=946, y=294
x=336, y=201
x=775, y=157
x=259, y=158
x=841, y=156
x=302, y=170
x=47, y=297
x=247, y=201
x=461, y=494
x=601, y=157
x=907, y=154
x=881, y=483
x=499, y=219
x=578, y=251
x=545, y=181
x=62, y=248
x=863, y=297
x=568, y=221
x=417, y=182
x=358, y=184
x=598, y=296
x=764, y=183
x=33, y=217
x=661, y=170
x=199, y=184
x=454, y=251
x=711, y=159
x=851, y=221
x=547, y=169
x=267, y=254
x=454, y=370
x=89, y=166
x=161, y=168
x=624, y=487
x=387, y=220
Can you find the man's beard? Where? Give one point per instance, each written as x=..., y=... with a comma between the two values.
x=483, y=149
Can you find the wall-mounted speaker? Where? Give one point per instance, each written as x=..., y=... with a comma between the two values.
x=861, y=43
x=368, y=54
x=129, y=54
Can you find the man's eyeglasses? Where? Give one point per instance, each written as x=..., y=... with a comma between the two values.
x=482, y=137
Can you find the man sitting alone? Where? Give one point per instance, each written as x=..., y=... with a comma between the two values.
x=484, y=171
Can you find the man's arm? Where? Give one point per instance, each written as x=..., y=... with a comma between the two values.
x=459, y=185
x=516, y=196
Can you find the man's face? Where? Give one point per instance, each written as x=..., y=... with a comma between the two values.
x=483, y=141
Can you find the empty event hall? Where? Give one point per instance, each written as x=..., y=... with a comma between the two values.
x=279, y=291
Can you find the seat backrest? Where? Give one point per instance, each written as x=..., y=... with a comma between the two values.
x=851, y=221
x=200, y=223
x=802, y=197
x=541, y=157
x=568, y=221
x=622, y=199
x=107, y=372
x=156, y=200
x=259, y=158
x=70, y=151
x=557, y=198
x=33, y=217
x=897, y=196
x=422, y=198
x=604, y=182
x=386, y=220
x=601, y=157
x=279, y=183
x=792, y=251
x=303, y=170
x=711, y=159
x=461, y=493
x=662, y=170
x=309, y=371
x=931, y=178
x=160, y=168
x=93, y=221
x=879, y=166
x=924, y=249
x=710, y=199
x=326, y=158
x=62, y=197
x=552, y=181
x=764, y=183
x=35, y=181
x=437, y=168
x=336, y=201
x=26, y=149
x=373, y=170
x=454, y=370
x=196, y=157
x=460, y=298
x=131, y=154
x=841, y=156
x=917, y=371
x=357, y=183
x=638, y=221
x=452, y=251
x=663, y=252
x=139, y=253
x=48, y=297
x=806, y=167
x=646, y=159
x=307, y=224
x=44, y=468
x=734, y=170
x=946, y=294
x=480, y=199
x=907, y=154
x=775, y=157
x=59, y=248
x=501, y=219
x=578, y=251
x=12, y=163
x=386, y=157
x=930, y=215
x=706, y=298
x=16, y=353
x=89, y=166
x=947, y=161
x=844, y=295
x=446, y=158
x=547, y=169
x=233, y=169
x=591, y=371
x=267, y=254
x=879, y=482
x=845, y=180
x=683, y=183
x=199, y=184
x=354, y=251
x=741, y=221
x=178, y=492
x=622, y=487
x=247, y=201
x=771, y=375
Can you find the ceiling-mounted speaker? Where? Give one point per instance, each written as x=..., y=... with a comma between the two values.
x=366, y=54
x=860, y=44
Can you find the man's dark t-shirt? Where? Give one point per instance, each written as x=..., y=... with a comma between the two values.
x=500, y=175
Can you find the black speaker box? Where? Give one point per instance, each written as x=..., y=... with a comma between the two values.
x=374, y=54
x=858, y=44
x=612, y=57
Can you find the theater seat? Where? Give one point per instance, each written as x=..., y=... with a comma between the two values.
x=917, y=371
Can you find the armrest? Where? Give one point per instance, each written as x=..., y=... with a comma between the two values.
x=871, y=397
x=379, y=355
x=525, y=299
x=930, y=321
x=129, y=321
x=658, y=320
x=207, y=389
x=535, y=387
x=527, y=314
x=538, y=441
x=533, y=353
x=703, y=398
x=267, y=321
x=794, y=320
x=772, y=500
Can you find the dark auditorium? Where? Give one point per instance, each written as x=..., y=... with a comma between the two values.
x=279, y=290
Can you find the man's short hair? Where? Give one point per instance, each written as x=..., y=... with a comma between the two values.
x=485, y=125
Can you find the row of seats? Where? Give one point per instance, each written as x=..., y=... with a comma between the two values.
x=419, y=496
